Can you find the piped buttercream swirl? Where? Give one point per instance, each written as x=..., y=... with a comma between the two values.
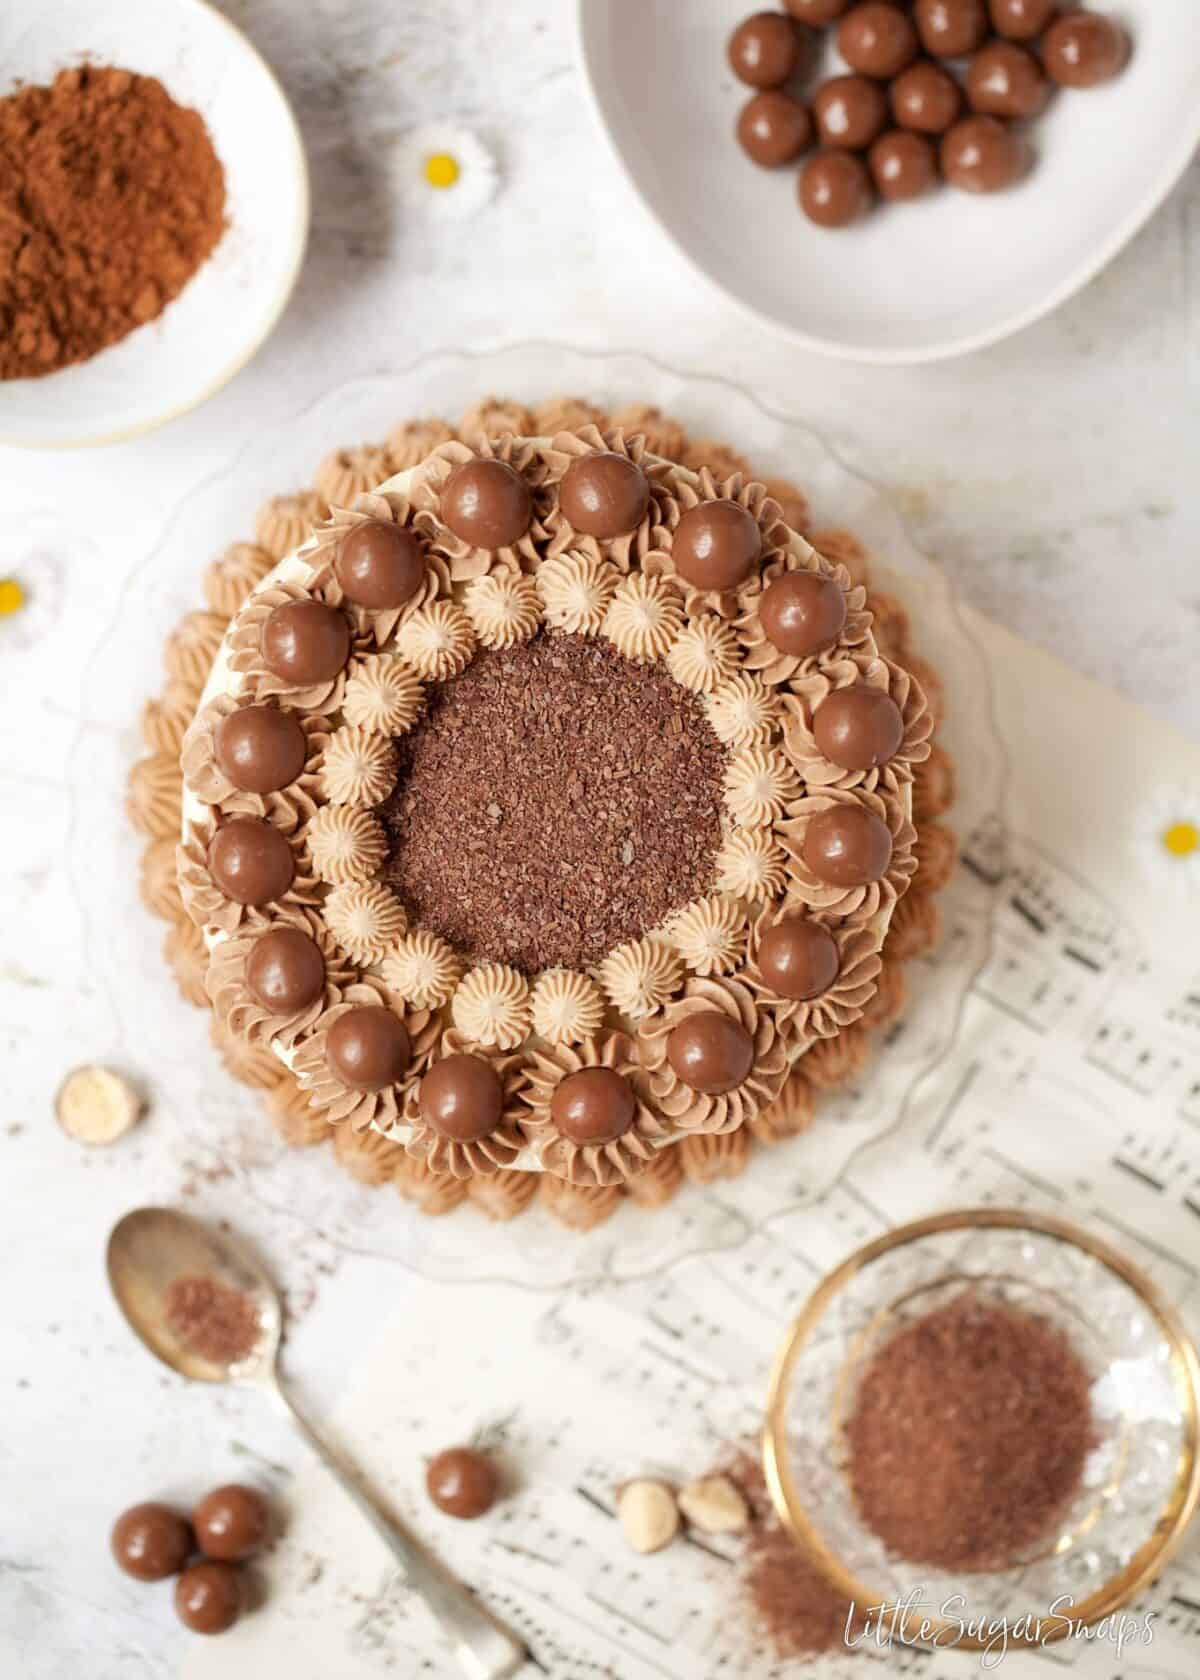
x=437, y=641
x=504, y=609
x=576, y=591
x=423, y=969
x=710, y=934
x=567, y=1007
x=751, y=864
x=365, y=918
x=704, y=655
x=358, y=767
x=759, y=786
x=383, y=695
x=596, y=1163
x=643, y=618
x=345, y=843
x=743, y=711
x=491, y=1006
x=641, y=976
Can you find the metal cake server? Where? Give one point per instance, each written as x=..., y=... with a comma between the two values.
x=147, y=1251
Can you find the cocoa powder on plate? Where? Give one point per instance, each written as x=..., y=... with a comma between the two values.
x=111, y=197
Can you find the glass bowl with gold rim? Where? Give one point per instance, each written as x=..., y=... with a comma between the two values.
x=1141, y=1484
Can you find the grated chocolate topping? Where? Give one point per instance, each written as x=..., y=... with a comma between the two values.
x=554, y=801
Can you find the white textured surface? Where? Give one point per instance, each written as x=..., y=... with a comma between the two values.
x=1054, y=476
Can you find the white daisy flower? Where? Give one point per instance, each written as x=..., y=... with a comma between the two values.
x=30, y=594
x=444, y=172
x=1169, y=838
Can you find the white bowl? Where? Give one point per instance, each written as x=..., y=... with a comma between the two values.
x=226, y=311
x=910, y=283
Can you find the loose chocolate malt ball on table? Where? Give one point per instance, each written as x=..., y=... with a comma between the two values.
x=817, y=13
x=773, y=129
x=231, y=1523
x=462, y=1482
x=835, y=189
x=151, y=1541
x=208, y=1597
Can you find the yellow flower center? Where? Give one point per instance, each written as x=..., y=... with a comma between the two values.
x=12, y=597
x=441, y=170
x=1181, y=839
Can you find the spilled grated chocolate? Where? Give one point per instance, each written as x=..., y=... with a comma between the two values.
x=555, y=800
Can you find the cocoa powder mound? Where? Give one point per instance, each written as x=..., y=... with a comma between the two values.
x=111, y=197
x=554, y=801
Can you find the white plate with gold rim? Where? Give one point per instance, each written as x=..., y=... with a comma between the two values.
x=219, y=1131
x=911, y=283
x=229, y=307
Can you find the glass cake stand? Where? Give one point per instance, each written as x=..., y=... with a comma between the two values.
x=216, y=1130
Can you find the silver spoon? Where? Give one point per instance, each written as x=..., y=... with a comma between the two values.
x=152, y=1247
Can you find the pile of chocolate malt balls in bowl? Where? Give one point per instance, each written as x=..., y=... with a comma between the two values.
x=932, y=91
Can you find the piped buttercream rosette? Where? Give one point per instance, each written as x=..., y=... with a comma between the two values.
x=483, y=1146
x=852, y=854
x=571, y=457
x=854, y=966
x=589, y=1118
x=430, y=580
x=298, y=739
x=234, y=871
x=262, y=640
x=273, y=994
x=849, y=626
x=748, y=1061
x=856, y=722
x=692, y=548
x=520, y=528
x=362, y=1054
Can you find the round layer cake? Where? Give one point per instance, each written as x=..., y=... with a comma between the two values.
x=549, y=806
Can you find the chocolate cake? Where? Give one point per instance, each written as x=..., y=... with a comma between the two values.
x=545, y=814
